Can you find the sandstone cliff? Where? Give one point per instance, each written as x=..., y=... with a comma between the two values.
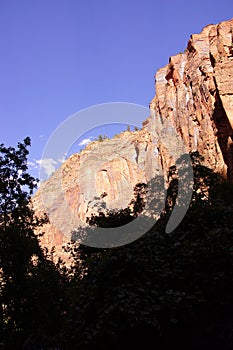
x=101, y=176
x=194, y=92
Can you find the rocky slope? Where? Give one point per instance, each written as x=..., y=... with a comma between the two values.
x=194, y=94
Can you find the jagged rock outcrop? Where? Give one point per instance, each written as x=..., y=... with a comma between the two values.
x=194, y=92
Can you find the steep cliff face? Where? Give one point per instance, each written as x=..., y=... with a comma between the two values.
x=194, y=92
x=101, y=176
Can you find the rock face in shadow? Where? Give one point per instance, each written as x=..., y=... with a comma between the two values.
x=194, y=97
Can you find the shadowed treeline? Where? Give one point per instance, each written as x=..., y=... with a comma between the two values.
x=165, y=289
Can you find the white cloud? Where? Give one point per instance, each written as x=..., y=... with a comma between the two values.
x=32, y=165
x=84, y=142
x=47, y=165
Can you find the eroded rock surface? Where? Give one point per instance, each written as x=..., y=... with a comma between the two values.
x=194, y=92
x=101, y=176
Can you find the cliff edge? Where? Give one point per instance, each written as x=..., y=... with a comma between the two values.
x=194, y=92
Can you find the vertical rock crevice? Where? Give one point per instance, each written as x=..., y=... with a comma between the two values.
x=224, y=134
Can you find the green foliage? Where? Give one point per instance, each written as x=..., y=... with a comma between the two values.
x=101, y=138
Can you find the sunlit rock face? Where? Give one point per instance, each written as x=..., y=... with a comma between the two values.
x=194, y=93
x=101, y=176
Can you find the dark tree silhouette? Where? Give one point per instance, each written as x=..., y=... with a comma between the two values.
x=166, y=289
x=171, y=290
x=29, y=282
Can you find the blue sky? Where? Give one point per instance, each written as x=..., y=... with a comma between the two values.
x=61, y=56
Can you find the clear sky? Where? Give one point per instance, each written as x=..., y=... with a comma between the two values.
x=60, y=56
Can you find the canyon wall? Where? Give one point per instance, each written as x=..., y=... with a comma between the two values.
x=194, y=93
x=103, y=175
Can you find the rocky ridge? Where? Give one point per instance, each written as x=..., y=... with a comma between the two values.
x=194, y=93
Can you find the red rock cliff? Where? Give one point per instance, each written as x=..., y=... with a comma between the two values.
x=195, y=93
